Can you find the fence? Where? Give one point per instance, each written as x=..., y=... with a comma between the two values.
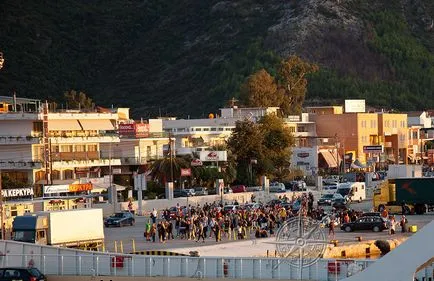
x=102, y=264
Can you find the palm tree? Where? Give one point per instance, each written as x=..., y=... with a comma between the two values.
x=161, y=169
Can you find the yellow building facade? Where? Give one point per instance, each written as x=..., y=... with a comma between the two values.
x=354, y=131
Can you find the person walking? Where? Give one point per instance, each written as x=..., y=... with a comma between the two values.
x=392, y=225
x=154, y=215
x=332, y=228
x=403, y=224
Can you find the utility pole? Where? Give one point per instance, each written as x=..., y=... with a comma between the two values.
x=3, y=232
x=171, y=157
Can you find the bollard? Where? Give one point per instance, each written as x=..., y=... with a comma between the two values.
x=134, y=245
x=103, y=247
x=267, y=253
x=122, y=247
x=116, y=246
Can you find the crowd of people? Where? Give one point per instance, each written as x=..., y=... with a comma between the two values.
x=230, y=222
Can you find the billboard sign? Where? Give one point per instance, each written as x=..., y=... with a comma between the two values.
x=142, y=130
x=352, y=106
x=196, y=162
x=138, y=130
x=213, y=156
x=17, y=192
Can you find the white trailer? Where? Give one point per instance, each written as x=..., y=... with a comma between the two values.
x=81, y=228
x=354, y=191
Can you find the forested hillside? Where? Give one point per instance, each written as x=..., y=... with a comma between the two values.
x=188, y=57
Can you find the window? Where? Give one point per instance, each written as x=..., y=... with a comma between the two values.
x=66, y=148
x=92, y=147
x=80, y=148
x=213, y=129
x=292, y=129
x=228, y=129
x=37, y=127
x=394, y=123
x=40, y=234
x=68, y=175
x=198, y=129
x=220, y=129
x=14, y=211
x=54, y=148
x=373, y=123
x=301, y=129
x=206, y=129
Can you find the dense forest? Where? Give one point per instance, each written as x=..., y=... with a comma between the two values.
x=189, y=57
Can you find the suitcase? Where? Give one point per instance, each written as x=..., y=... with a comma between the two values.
x=412, y=228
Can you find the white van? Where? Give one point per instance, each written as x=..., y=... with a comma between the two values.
x=354, y=191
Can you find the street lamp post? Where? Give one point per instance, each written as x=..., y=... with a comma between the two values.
x=2, y=60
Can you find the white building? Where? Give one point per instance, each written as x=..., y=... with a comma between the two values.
x=305, y=152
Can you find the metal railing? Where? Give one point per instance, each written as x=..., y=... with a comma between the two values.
x=104, y=264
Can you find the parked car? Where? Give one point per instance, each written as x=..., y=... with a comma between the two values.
x=21, y=273
x=228, y=190
x=328, y=199
x=340, y=203
x=290, y=185
x=229, y=208
x=252, y=206
x=120, y=219
x=181, y=193
x=191, y=191
x=374, y=223
x=238, y=188
x=253, y=188
x=277, y=187
x=200, y=191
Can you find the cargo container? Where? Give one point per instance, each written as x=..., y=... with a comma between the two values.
x=405, y=195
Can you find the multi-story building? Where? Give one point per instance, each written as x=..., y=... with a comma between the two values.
x=196, y=134
x=356, y=130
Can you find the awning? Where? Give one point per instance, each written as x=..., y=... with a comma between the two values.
x=328, y=157
x=64, y=125
x=97, y=188
x=96, y=125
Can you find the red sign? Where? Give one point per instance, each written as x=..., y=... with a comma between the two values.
x=186, y=172
x=127, y=129
x=138, y=130
x=196, y=162
x=142, y=130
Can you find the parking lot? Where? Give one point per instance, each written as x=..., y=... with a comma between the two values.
x=129, y=233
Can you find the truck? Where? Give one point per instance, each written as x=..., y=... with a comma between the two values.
x=405, y=195
x=79, y=228
x=354, y=191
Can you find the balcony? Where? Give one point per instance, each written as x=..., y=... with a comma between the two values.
x=85, y=139
x=140, y=160
x=5, y=140
x=69, y=156
x=19, y=116
x=63, y=164
x=20, y=165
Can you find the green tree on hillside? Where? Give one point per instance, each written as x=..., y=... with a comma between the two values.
x=292, y=80
x=287, y=90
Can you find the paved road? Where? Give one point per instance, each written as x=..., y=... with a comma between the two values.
x=130, y=233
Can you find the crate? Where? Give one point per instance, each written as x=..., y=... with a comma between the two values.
x=412, y=228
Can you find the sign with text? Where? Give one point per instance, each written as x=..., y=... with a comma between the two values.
x=17, y=192
x=49, y=189
x=213, y=156
x=355, y=106
x=373, y=149
x=80, y=187
x=136, y=130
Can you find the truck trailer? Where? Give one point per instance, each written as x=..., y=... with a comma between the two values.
x=82, y=228
x=405, y=195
